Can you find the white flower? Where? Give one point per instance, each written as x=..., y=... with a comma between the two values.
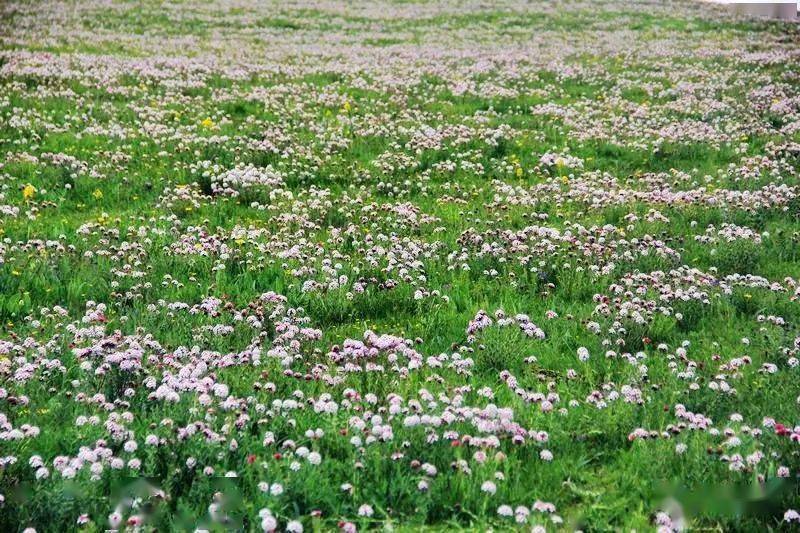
x=115, y=519
x=365, y=510
x=489, y=487
x=268, y=523
x=505, y=510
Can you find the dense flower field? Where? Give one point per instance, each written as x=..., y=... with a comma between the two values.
x=398, y=265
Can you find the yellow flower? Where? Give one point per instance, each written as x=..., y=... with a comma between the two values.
x=28, y=192
x=518, y=171
x=346, y=106
x=97, y=194
x=207, y=123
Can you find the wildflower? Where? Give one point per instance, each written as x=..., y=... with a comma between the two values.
x=294, y=527
x=365, y=510
x=268, y=522
x=348, y=527
x=583, y=354
x=28, y=192
x=115, y=519
x=488, y=487
x=505, y=510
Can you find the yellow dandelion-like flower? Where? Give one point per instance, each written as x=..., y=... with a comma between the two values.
x=28, y=192
x=97, y=194
x=207, y=122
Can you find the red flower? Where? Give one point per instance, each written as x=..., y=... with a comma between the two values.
x=251, y=458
